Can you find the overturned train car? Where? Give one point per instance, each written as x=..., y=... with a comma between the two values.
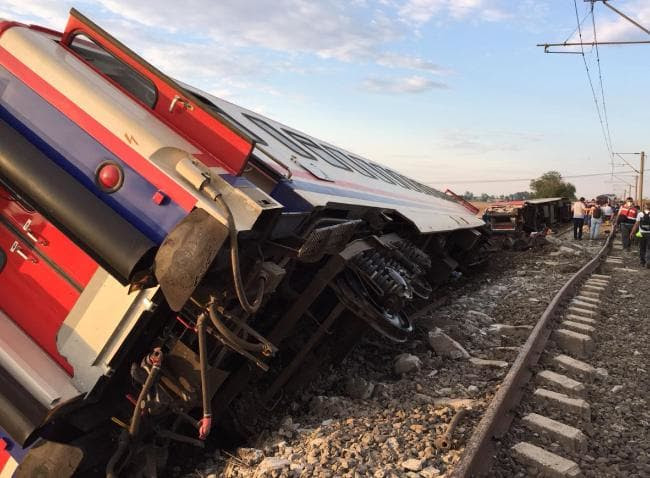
x=527, y=216
x=162, y=249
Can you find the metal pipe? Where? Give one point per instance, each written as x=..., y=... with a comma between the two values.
x=633, y=22
x=594, y=43
x=443, y=442
x=206, y=422
x=155, y=358
x=230, y=336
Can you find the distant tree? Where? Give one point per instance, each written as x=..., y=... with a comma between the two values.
x=520, y=196
x=485, y=197
x=550, y=184
x=469, y=196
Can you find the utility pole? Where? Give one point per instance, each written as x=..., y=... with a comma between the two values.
x=636, y=186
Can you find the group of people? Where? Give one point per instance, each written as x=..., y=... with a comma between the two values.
x=633, y=222
x=592, y=215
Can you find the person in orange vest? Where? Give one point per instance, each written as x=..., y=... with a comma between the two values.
x=626, y=219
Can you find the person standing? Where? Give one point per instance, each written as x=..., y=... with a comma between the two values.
x=596, y=221
x=588, y=210
x=607, y=212
x=626, y=218
x=578, y=210
x=642, y=225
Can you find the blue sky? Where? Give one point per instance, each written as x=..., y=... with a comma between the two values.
x=446, y=91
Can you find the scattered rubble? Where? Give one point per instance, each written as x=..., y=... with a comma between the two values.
x=406, y=363
x=445, y=346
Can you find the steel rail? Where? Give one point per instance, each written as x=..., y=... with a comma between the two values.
x=478, y=455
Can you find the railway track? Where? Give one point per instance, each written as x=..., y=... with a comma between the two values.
x=569, y=317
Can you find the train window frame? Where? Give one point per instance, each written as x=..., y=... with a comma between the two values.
x=223, y=114
x=276, y=134
x=382, y=175
x=314, y=148
x=345, y=157
x=147, y=82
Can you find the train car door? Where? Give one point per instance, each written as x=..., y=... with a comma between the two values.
x=42, y=273
x=222, y=144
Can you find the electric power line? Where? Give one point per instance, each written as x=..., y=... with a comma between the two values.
x=602, y=89
x=513, y=180
x=591, y=84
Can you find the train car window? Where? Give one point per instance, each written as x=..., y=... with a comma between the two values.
x=317, y=150
x=361, y=164
x=398, y=179
x=264, y=126
x=414, y=184
x=349, y=161
x=382, y=175
x=3, y=259
x=224, y=115
x=133, y=82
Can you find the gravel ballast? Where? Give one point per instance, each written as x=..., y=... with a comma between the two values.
x=366, y=417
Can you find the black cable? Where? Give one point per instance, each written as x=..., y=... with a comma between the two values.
x=234, y=259
x=508, y=180
x=600, y=78
x=591, y=84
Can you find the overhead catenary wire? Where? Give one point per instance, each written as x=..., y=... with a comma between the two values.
x=608, y=146
x=602, y=89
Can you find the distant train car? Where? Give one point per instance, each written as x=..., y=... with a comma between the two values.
x=162, y=250
x=527, y=216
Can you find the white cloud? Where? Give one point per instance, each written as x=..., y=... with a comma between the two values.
x=393, y=60
x=409, y=84
x=234, y=45
x=612, y=27
x=421, y=11
x=329, y=29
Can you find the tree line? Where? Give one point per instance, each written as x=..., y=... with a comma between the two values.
x=548, y=185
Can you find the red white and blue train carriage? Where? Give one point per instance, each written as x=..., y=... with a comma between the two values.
x=163, y=250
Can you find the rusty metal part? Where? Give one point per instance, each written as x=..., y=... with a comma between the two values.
x=443, y=442
x=476, y=459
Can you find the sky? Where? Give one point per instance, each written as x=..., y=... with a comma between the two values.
x=454, y=93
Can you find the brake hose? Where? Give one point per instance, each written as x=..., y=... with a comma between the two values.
x=205, y=424
x=201, y=180
x=234, y=259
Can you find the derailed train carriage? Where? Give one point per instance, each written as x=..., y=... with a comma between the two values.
x=162, y=249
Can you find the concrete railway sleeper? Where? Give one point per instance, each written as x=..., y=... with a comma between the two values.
x=569, y=321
